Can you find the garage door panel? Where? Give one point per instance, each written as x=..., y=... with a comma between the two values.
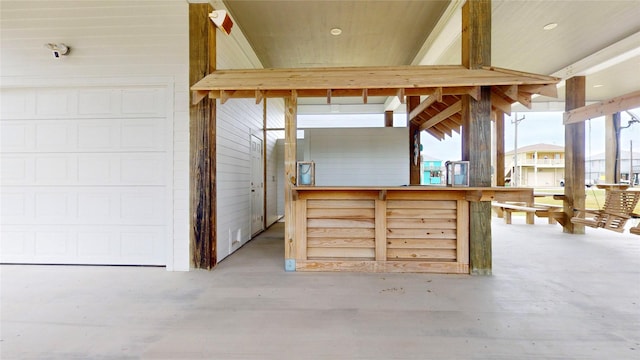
x=84, y=175
x=77, y=206
x=16, y=136
x=92, y=169
x=83, y=244
x=142, y=135
x=84, y=135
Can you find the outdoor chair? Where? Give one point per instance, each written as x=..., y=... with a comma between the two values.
x=617, y=209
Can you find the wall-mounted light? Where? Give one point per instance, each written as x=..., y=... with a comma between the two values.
x=222, y=20
x=58, y=49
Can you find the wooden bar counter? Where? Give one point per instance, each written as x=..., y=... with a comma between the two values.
x=388, y=229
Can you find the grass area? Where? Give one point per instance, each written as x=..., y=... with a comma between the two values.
x=594, y=199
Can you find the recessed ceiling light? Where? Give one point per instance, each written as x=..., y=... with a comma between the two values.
x=336, y=31
x=550, y=26
x=598, y=86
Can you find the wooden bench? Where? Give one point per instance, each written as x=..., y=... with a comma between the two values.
x=617, y=210
x=504, y=210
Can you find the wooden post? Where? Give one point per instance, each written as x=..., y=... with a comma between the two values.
x=290, y=151
x=476, y=130
x=611, y=148
x=202, y=143
x=388, y=118
x=574, y=167
x=414, y=142
x=499, y=169
x=265, y=161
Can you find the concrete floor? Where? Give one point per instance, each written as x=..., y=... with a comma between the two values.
x=552, y=296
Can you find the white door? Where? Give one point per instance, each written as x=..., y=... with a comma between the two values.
x=257, y=186
x=84, y=175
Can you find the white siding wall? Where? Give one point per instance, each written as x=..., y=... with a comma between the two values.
x=237, y=120
x=131, y=43
x=362, y=156
x=115, y=46
x=275, y=120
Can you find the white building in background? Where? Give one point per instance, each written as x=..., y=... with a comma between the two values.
x=539, y=165
x=595, y=167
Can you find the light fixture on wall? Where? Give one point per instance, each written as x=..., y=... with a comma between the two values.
x=222, y=20
x=58, y=49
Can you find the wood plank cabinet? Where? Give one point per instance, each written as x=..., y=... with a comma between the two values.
x=388, y=229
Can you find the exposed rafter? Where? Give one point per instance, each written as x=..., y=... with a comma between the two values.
x=438, y=114
x=611, y=106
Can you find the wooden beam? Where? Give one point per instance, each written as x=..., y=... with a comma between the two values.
x=499, y=150
x=328, y=96
x=474, y=92
x=476, y=42
x=524, y=99
x=400, y=95
x=290, y=164
x=388, y=118
x=498, y=101
x=453, y=109
x=250, y=94
x=265, y=161
x=574, y=166
x=614, y=105
x=365, y=96
x=509, y=92
x=259, y=96
x=433, y=98
x=611, y=148
x=544, y=90
x=476, y=133
x=225, y=95
x=435, y=133
x=202, y=141
x=414, y=144
x=358, y=78
x=198, y=96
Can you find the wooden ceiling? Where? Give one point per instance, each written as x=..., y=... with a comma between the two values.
x=442, y=87
x=599, y=39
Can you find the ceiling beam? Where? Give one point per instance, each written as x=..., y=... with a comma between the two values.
x=436, y=96
x=453, y=109
x=602, y=59
x=611, y=106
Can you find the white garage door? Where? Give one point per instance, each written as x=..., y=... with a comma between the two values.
x=84, y=175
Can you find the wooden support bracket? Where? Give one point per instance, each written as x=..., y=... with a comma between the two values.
x=474, y=92
x=198, y=95
x=400, y=95
x=225, y=95
x=544, y=90
x=524, y=99
x=259, y=96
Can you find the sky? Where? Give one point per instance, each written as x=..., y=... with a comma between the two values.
x=537, y=128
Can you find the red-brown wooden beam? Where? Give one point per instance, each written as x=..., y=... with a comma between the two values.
x=414, y=142
x=574, y=156
x=202, y=142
